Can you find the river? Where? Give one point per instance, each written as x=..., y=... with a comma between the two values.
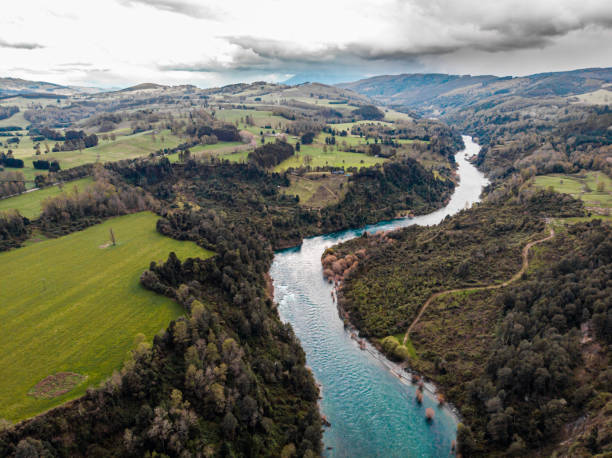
x=372, y=411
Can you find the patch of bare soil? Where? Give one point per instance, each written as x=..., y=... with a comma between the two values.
x=55, y=385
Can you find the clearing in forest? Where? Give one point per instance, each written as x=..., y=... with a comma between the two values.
x=593, y=188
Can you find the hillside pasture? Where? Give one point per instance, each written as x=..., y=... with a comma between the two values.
x=219, y=150
x=123, y=147
x=349, y=125
x=29, y=204
x=74, y=305
x=598, y=97
x=16, y=120
x=593, y=188
x=317, y=190
x=314, y=156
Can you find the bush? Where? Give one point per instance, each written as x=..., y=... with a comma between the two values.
x=41, y=165
x=400, y=352
x=11, y=161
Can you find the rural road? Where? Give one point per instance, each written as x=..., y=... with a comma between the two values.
x=515, y=277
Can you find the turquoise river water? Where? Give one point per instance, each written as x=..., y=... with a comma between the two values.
x=373, y=411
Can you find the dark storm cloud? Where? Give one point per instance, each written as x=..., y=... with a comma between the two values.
x=178, y=6
x=538, y=32
x=498, y=27
x=29, y=46
x=408, y=35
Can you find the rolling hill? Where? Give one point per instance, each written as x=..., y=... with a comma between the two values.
x=436, y=94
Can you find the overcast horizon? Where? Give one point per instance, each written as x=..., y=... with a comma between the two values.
x=120, y=43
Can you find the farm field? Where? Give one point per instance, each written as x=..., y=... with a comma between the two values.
x=349, y=125
x=598, y=97
x=74, y=305
x=124, y=147
x=220, y=150
x=594, y=188
x=332, y=158
x=30, y=203
x=16, y=120
x=317, y=190
x=260, y=117
x=25, y=103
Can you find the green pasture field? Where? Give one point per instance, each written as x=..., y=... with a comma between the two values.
x=316, y=191
x=260, y=117
x=217, y=150
x=331, y=158
x=349, y=125
x=582, y=186
x=75, y=304
x=16, y=120
x=123, y=147
x=25, y=103
x=29, y=204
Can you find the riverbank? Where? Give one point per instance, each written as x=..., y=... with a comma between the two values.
x=401, y=370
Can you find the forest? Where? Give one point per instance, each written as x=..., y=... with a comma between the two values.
x=229, y=378
x=514, y=352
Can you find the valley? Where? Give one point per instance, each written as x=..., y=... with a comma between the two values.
x=137, y=276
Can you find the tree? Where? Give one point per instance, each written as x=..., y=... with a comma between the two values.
x=112, y=236
x=229, y=425
x=369, y=112
x=466, y=445
x=308, y=138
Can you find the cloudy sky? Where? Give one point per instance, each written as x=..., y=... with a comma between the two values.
x=116, y=43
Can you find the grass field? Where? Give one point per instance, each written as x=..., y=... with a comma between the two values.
x=123, y=147
x=25, y=103
x=16, y=120
x=260, y=117
x=30, y=204
x=585, y=186
x=349, y=125
x=598, y=97
x=203, y=151
x=332, y=158
x=317, y=191
x=73, y=305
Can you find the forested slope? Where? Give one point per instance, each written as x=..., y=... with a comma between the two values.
x=520, y=362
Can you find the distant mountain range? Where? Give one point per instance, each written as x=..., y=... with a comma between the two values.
x=436, y=93
x=428, y=94
x=18, y=86
x=322, y=77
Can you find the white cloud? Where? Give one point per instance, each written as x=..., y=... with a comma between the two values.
x=210, y=43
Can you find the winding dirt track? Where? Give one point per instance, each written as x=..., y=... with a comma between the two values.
x=515, y=277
